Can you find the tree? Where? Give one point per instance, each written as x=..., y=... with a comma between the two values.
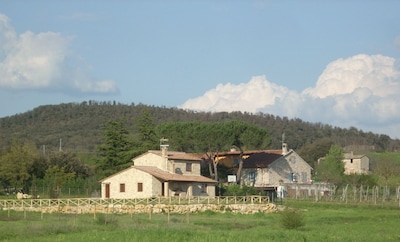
x=147, y=138
x=70, y=163
x=311, y=152
x=115, y=150
x=331, y=168
x=386, y=168
x=55, y=177
x=16, y=163
x=212, y=138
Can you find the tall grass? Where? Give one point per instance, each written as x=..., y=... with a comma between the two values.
x=328, y=222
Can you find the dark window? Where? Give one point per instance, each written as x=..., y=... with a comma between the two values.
x=140, y=187
x=204, y=188
x=122, y=187
x=351, y=161
x=188, y=166
x=251, y=175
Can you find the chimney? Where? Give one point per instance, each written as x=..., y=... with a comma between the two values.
x=284, y=145
x=164, y=151
x=284, y=148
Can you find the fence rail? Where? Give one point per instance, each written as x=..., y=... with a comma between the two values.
x=346, y=194
x=25, y=203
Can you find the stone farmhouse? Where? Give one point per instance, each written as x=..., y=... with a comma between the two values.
x=355, y=164
x=268, y=169
x=159, y=173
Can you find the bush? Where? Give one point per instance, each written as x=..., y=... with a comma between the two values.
x=105, y=219
x=240, y=190
x=292, y=219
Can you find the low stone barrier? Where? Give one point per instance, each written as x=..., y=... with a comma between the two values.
x=157, y=208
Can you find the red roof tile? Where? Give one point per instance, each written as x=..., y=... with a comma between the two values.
x=156, y=172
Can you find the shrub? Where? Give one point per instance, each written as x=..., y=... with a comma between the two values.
x=240, y=190
x=292, y=219
x=105, y=219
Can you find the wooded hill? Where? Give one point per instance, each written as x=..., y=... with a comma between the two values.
x=76, y=127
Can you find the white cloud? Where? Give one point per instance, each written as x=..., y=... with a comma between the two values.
x=39, y=62
x=360, y=91
x=250, y=97
x=343, y=76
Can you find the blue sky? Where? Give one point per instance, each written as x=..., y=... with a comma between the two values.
x=334, y=62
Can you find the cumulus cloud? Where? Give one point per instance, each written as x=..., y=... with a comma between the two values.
x=40, y=62
x=230, y=97
x=360, y=91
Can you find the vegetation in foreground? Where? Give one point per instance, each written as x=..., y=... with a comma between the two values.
x=322, y=222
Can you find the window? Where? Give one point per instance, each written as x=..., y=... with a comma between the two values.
x=251, y=175
x=140, y=187
x=188, y=166
x=293, y=177
x=235, y=162
x=293, y=159
x=351, y=161
x=304, y=176
x=204, y=188
x=122, y=187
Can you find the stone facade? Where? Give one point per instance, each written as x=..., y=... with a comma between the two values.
x=270, y=170
x=159, y=173
x=355, y=164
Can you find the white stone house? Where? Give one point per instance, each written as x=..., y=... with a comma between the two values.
x=159, y=173
x=355, y=164
x=267, y=170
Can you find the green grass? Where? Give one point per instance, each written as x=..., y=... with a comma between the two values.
x=322, y=222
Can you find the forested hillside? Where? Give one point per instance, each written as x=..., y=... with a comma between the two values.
x=77, y=126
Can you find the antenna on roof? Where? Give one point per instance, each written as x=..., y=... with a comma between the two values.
x=283, y=138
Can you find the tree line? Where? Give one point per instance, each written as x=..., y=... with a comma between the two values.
x=113, y=141
x=24, y=165
x=79, y=126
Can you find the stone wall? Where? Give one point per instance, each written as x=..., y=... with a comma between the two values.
x=157, y=208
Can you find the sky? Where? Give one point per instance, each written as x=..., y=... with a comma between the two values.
x=333, y=62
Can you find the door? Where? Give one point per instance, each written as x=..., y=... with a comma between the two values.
x=163, y=189
x=107, y=190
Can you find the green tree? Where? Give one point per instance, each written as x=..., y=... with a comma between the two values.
x=212, y=138
x=331, y=168
x=55, y=177
x=16, y=163
x=311, y=152
x=245, y=137
x=146, y=131
x=386, y=168
x=70, y=163
x=115, y=151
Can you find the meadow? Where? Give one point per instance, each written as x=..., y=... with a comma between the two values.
x=323, y=222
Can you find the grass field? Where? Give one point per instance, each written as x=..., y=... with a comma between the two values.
x=323, y=222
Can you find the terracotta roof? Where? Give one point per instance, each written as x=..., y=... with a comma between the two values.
x=156, y=172
x=247, y=152
x=352, y=156
x=260, y=160
x=176, y=155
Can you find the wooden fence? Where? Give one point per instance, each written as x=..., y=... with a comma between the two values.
x=347, y=194
x=37, y=203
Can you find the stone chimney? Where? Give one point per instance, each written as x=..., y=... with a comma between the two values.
x=164, y=152
x=284, y=148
